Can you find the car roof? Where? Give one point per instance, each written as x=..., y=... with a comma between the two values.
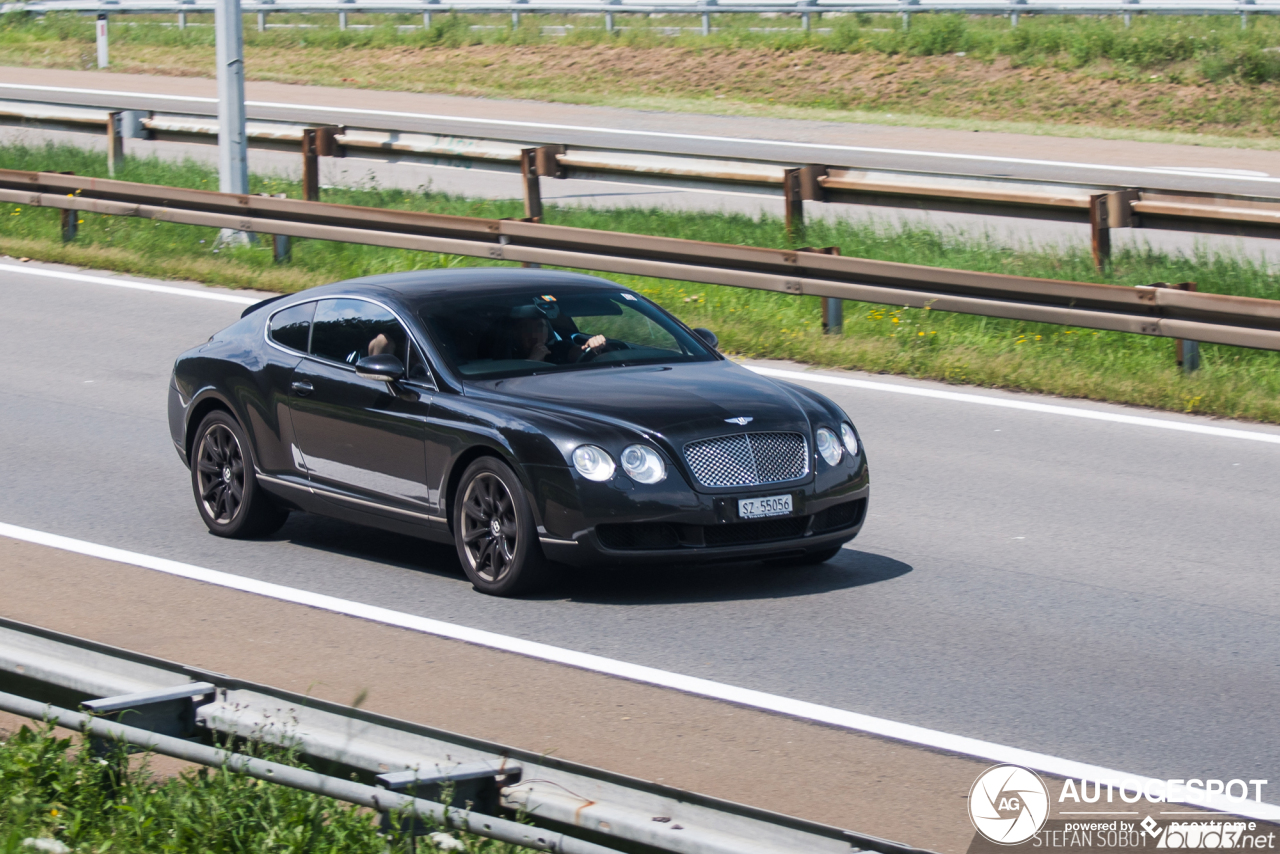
x=471, y=280
x=417, y=284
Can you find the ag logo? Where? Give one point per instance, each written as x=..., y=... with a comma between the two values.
x=1008, y=804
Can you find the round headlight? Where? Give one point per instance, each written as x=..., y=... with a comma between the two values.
x=828, y=446
x=593, y=463
x=850, y=439
x=643, y=464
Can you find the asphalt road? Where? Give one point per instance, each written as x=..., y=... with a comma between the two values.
x=1099, y=591
x=838, y=143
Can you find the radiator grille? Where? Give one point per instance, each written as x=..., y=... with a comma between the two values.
x=748, y=459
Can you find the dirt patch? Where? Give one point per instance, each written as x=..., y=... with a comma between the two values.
x=945, y=86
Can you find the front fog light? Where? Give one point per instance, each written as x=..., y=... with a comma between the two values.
x=593, y=463
x=828, y=446
x=643, y=464
x=850, y=439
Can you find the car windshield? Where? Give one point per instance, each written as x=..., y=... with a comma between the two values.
x=524, y=332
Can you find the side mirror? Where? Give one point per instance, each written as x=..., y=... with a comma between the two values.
x=708, y=336
x=384, y=367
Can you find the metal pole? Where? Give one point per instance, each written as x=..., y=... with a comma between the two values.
x=804, y=21
x=233, y=163
x=70, y=225
x=342, y=20
x=1100, y=230
x=832, y=316
x=262, y=22
x=706, y=23
x=532, y=190
x=182, y=20
x=426, y=20
x=310, y=166
x=1188, y=352
x=102, y=40
x=515, y=20
x=1013, y=19
x=906, y=21
x=608, y=22
x=793, y=202
x=115, y=144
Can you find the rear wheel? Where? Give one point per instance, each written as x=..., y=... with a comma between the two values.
x=494, y=531
x=228, y=496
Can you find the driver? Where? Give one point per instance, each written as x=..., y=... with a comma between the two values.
x=534, y=333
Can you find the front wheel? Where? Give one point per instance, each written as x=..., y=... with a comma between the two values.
x=494, y=531
x=227, y=493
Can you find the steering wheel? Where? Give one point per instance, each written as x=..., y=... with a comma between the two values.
x=609, y=346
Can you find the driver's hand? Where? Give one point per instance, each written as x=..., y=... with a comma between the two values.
x=594, y=342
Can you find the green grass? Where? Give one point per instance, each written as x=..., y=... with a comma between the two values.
x=1217, y=48
x=54, y=789
x=1235, y=382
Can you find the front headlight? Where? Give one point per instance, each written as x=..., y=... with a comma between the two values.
x=828, y=446
x=850, y=439
x=643, y=464
x=593, y=463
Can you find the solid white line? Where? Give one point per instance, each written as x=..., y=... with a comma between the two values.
x=934, y=739
x=1027, y=406
x=796, y=376
x=982, y=158
x=125, y=283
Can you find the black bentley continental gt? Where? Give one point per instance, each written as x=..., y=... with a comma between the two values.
x=527, y=416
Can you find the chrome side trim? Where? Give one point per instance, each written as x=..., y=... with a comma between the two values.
x=329, y=493
x=278, y=481
x=556, y=541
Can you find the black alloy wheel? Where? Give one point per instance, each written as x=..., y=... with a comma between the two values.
x=226, y=489
x=494, y=531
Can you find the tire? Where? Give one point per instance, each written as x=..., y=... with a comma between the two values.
x=226, y=489
x=494, y=531
x=809, y=558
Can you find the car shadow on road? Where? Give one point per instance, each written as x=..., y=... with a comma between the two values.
x=667, y=585
x=608, y=585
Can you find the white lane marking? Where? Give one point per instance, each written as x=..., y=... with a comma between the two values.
x=125, y=283
x=799, y=376
x=1046, y=408
x=635, y=672
x=861, y=149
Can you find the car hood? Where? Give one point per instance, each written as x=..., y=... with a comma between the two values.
x=679, y=402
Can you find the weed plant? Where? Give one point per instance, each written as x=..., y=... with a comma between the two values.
x=52, y=788
x=1234, y=382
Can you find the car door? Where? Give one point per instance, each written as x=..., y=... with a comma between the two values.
x=362, y=440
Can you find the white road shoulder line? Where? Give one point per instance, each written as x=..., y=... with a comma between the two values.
x=861, y=149
x=1025, y=405
x=794, y=376
x=635, y=672
x=125, y=283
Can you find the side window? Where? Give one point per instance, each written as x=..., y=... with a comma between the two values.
x=347, y=330
x=415, y=370
x=292, y=327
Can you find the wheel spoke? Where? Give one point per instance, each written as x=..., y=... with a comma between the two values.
x=474, y=534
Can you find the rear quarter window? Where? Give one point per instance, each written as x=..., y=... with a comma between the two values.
x=292, y=327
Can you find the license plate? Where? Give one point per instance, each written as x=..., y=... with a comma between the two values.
x=758, y=508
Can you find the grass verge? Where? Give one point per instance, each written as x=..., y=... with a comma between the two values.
x=57, y=796
x=1163, y=75
x=1235, y=382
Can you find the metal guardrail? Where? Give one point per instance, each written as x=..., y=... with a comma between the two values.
x=1157, y=310
x=1103, y=207
x=183, y=711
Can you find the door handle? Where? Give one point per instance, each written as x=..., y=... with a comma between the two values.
x=302, y=389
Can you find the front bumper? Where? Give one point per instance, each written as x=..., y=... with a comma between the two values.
x=619, y=523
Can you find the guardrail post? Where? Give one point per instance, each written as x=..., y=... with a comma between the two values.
x=1187, y=352
x=793, y=201
x=706, y=23
x=102, y=40
x=532, y=190
x=608, y=22
x=115, y=144
x=182, y=20
x=1100, y=230
x=548, y=164
x=262, y=22
x=70, y=225
x=832, y=307
x=310, y=166
x=426, y=20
